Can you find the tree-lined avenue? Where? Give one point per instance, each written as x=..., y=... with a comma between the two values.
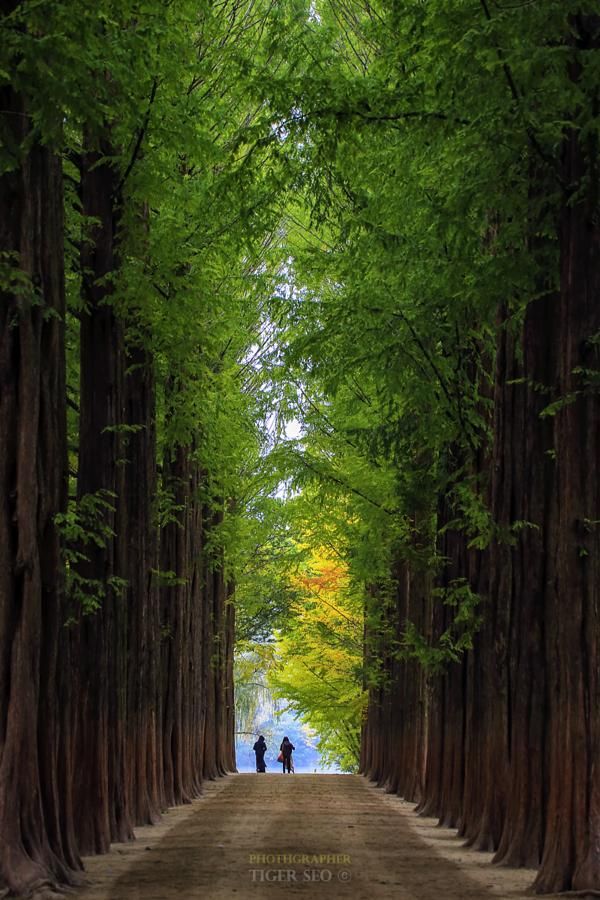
x=300, y=389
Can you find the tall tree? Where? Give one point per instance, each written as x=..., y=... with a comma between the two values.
x=37, y=844
x=570, y=857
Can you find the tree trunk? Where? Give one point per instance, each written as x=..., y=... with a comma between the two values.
x=137, y=559
x=101, y=648
x=571, y=856
x=210, y=763
x=36, y=845
x=532, y=492
x=229, y=762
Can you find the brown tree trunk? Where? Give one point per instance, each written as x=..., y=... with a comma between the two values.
x=571, y=857
x=403, y=737
x=210, y=762
x=137, y=559
x=36, y=846
x=101, y=648
x=376, y=738
x=453, y=687
x=229, y=761
x=199, y=611
x=175, y=558
x=532, y=492
x=394, y=709
x=189, y=734
x=412, y=781
x=431, y=803
x=490, y=575
x=433, y=748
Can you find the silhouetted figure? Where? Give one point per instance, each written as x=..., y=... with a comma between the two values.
x=286, y=752
x=259, y=748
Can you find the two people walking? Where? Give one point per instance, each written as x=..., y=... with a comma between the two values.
x=285, y=754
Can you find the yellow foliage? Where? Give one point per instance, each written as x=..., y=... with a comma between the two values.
x=320, y=655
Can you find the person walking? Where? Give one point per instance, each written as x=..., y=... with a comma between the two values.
x=286, y=754
x=259, y=749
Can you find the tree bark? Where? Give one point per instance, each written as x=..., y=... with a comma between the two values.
x=137, y=559
x=532, y=493
x=571, y=857
x=37, y=847
x=101, y=645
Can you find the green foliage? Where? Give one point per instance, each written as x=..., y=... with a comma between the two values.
x=318, y=668
x=253, y=698
x=167, y=578
x=321, y=209
x=265, y=555
x=13, y=280
x=423, y=140
x=84, y=522
x=82, y=527
x=457, y=638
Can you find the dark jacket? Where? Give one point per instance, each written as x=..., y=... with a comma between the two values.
x=260, y=748
x=286, y=748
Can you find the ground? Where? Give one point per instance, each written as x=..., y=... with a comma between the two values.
x=276, y=836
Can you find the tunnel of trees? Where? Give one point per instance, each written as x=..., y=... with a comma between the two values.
x=300, y=327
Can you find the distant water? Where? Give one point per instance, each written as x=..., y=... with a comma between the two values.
x=245, y=763
x=307, y=758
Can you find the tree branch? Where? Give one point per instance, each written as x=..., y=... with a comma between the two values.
x=140, y=138
x=517, y=97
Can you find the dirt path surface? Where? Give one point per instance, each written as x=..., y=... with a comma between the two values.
x=276, y=836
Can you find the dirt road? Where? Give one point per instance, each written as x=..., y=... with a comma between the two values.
x=318, y=836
